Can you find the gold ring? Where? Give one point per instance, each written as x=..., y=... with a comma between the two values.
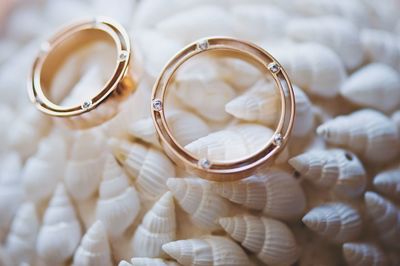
x=232, y=170
x=56, y=50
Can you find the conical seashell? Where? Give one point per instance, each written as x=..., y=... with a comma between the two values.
x=149, y=262
x=275, y=192
x=157, y=228
x=196, y=197
x=237, y=73
x=388, y=183
x=304, y=120
x=60, y=233
x=334, y=32
x=336, y=221
x=360, y=254
x=270, y=239
x=386, y=217
x=45, y=169
x=313, y=67
x=233, y=143
x=368, y=133
x=118, y=203
x=94, y=248
x=260, y=104
x=376, y=86
x=20, y=243
x=6, y=119
x=149, y=167
x=209, y=250
x=85, y=166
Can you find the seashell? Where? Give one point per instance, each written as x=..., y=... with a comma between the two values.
x=339, y=34
x=232, y=143
x=62, y=11
x=366, y=132
x=385, y=216
x=381, y=46
x=149, y=167
x=60, y=232
x=195, y=196
x=260, y=104
x=185, y=126
x=382, y=16
x=94, y=248
x=275, y=192
x=118, y=203
x=359, y=254
x=45, y=167
x=270, y=239
x=376, y=86
x=304, y=120
x=6, y=119
x=239, y=74
x=388, y=183
x=396, y=118
x=209, y=250
x=21, y=240
x=338, y=222
x=123, y=11
x=157, y=228
x=150, y=262
x=313, y=67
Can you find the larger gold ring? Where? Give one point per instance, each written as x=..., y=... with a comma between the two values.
x=221, y=171
x=54, y=50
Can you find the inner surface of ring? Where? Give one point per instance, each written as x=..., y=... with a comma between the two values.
x=222, y=106
x=78, y=67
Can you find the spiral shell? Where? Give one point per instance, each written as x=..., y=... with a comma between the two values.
x=305, y=119
x=157, y=228
x=388, y=183
x=359, y=254
x=209, y=250
x=270, y=239
x=338, y=222
x=148, y=262
x=275, y=192
x=239, y=74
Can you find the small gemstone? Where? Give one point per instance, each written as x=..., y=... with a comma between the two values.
x=157, y=105
x=204, y=163
x=278, y=139
x=86, y=104
x=123, y=55
x=273, y=67
x=202, y=45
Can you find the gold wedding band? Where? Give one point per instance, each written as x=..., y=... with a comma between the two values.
x=233, y=170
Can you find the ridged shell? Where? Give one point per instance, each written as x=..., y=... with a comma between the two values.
x=366, y=132
x=338, y=222
x=270, y=239
x=275, y=192
x=375, y=85
x=209, y=250
x=388, y=183
x=334, y=32
x=233, y=143
x=195, y=196
x=60, y=232
x=305, y=119
x=149, y=167
x=157, y=228
x=362, y=254
x=148, y=262
x=118, y=203
x=237, y=73
x=385, y=216
x=94, y=248
x=6, y=119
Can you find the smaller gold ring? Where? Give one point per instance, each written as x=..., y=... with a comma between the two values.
x=117, y=87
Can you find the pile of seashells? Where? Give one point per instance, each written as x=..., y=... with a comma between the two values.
x=110, y=196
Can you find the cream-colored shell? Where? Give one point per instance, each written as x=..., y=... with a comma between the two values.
x=239, y=74
x=304, y=121
x=148, y=262
x=360, y=254
x=272, y=241
x=388, y=183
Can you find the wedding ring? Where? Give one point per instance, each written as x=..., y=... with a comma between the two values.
x=103, y=104
x=231, y=170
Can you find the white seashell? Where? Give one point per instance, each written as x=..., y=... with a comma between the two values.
x=6, y=119
x=94, y=248
x=20, y=243
x=396, y=118
x=63, y=11
x=334, y=32
x=275, y=192
x=305, y=119
x=382, y=16
x=385, y=216
x=376, y=86
x=60, y=232
x=366, y=132
x=270, y=239
x=195, y=196
x=123, y=11
x=151, y=262
x=336, y=221
x=118, y=203
x=359, y=254
x=209, y=250
x=149, y=167
x=233, y=143
x=237, y=73
x=388, y=183
x=157, y=228
x=45, y=167
x=313, y=67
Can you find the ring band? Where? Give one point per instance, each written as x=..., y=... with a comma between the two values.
x=221, y=171
x=117, y=87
